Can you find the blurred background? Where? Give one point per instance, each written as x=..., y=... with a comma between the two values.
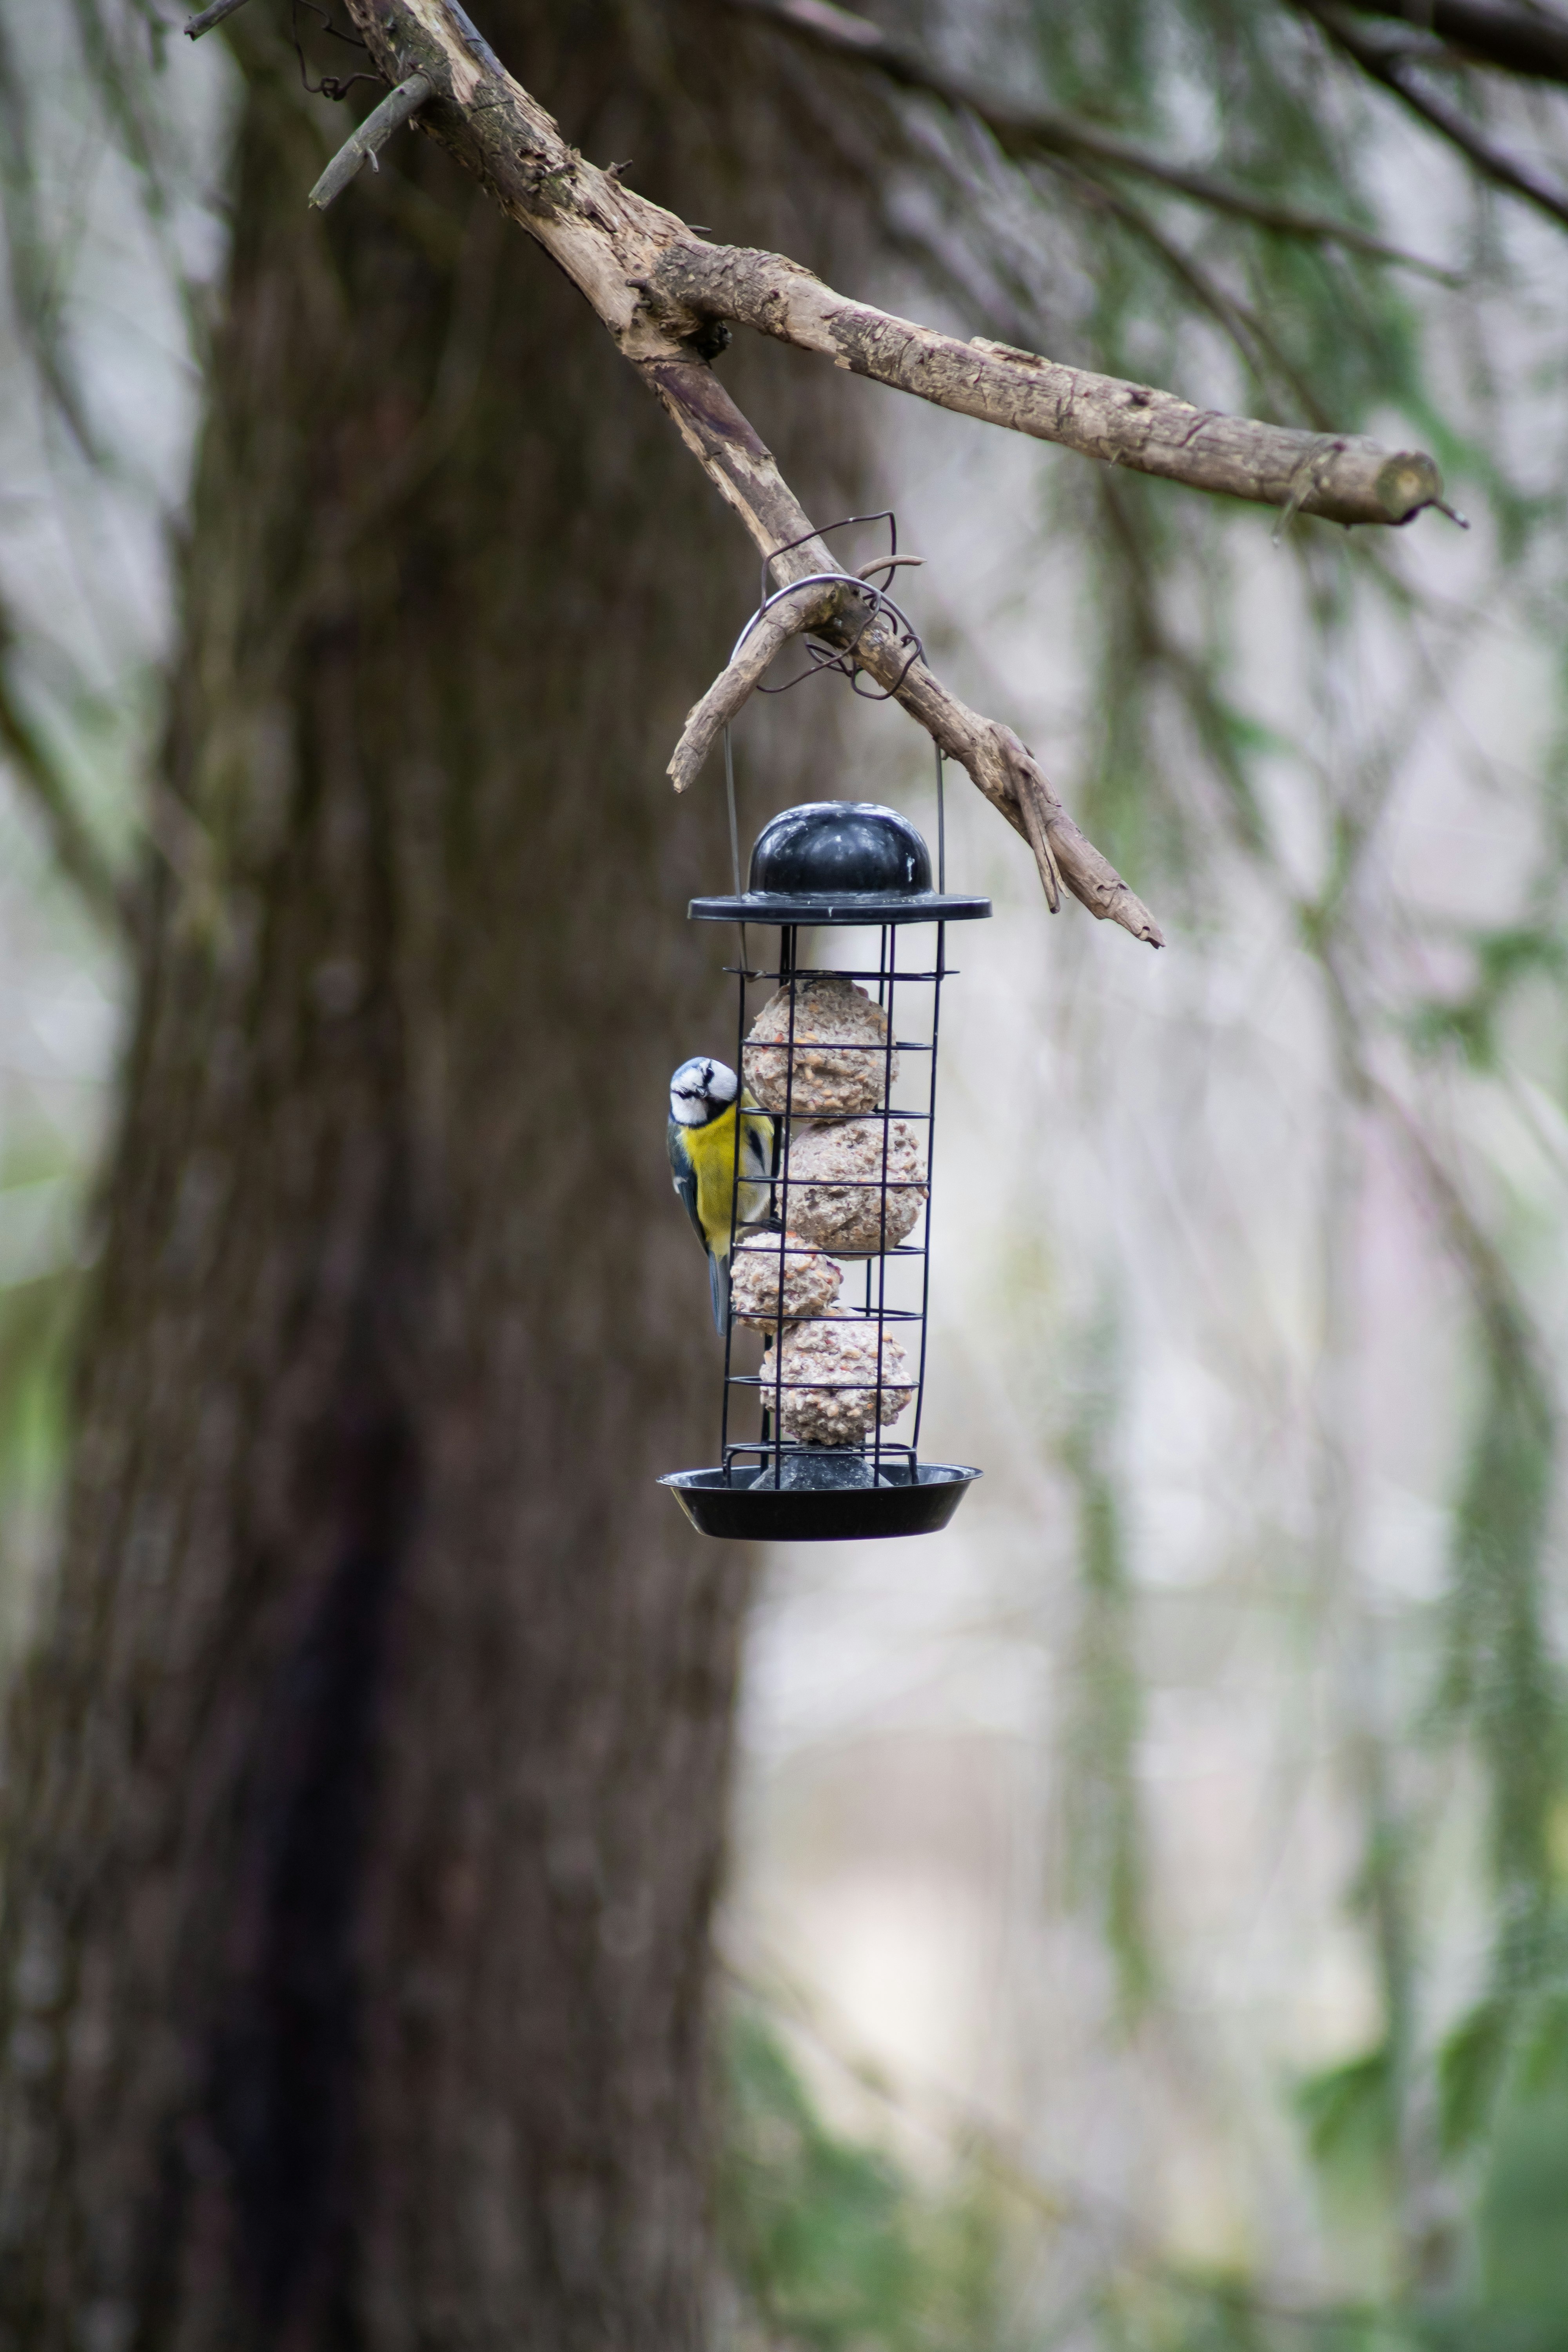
x=1146, y=1912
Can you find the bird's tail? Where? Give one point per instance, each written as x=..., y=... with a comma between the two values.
x=718, y=1284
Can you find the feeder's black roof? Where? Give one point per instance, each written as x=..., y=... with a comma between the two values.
x=839, y=862
x=828, y=846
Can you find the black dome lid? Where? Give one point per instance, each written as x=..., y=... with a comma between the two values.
x=825, y=848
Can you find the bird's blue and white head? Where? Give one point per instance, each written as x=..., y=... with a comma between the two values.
x=699, y=1090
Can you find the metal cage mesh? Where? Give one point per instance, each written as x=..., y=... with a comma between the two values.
x=900, y=993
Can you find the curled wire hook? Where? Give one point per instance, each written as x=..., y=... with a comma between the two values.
x=843, y=658
x=328, y=86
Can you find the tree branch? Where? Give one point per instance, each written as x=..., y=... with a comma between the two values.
x=1025, y=133
x=658, y=286
x=1496, y=32
x=370, y=138
x=1396, y=72
x=663, y=293
x=720, y=436
x=735, y=684
x=1346, y=478
x=211, y=16
x=1002, y=767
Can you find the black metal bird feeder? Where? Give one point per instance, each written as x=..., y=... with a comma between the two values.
x=845, y=1061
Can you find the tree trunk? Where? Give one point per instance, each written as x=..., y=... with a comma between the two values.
x=367, y=1792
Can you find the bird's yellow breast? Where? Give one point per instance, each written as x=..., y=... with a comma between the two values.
x=711, y=1149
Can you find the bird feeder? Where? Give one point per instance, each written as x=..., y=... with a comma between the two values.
x=819, y=1441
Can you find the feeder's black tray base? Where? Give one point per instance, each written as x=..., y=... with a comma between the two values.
x=746, y=1512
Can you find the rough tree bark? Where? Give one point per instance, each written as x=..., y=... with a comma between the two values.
x=367, y=1790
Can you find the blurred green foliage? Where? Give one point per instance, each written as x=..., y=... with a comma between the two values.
x=830, y=2242
x=36, y=1323
x=1107, y=1860
x=1522, y=2302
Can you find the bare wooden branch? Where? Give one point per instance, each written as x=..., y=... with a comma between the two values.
x=1349, y=480
x=792, y=617
x=659, y=289
x=1024, y=132
x=371, y=137
x=211, y=16
x=656, y=287
x=1003, y=770
x=718, y=433
x=734, y=685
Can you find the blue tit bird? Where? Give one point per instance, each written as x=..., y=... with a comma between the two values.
x=724, y=1184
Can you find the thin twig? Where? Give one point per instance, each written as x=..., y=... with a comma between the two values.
x=1496, y=32
x=1395, y=74
x=1024, y=132
x=1260, y=353
x=211, y=16
x=371, y=137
